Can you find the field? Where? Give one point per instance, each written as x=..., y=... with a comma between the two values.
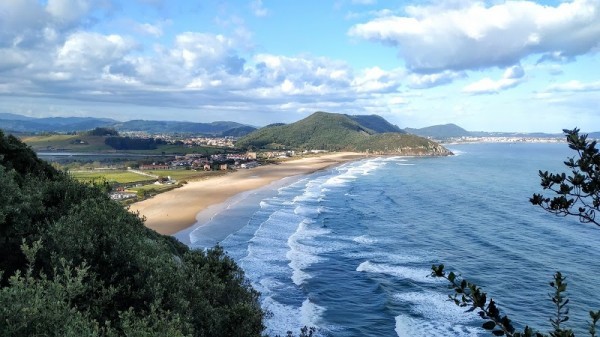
x=118, y=176
x=129, y=177
x=185, y=174
x=85, y=143
x=67, y=143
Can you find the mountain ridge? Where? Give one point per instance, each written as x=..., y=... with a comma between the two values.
x=339, y=132
x=20, y=123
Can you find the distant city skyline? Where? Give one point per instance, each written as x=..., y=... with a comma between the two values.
x=523, y=66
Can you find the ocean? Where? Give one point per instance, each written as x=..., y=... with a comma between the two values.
x=348, y=250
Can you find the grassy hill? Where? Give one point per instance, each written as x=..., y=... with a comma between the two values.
x=337, y=132
x=72, y=143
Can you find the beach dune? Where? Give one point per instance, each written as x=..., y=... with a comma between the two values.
x=176, y=210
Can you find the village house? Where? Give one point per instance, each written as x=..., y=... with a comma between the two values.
x=122, y=195
x=155, y=167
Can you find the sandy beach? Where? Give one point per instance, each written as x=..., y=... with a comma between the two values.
x=176, y=210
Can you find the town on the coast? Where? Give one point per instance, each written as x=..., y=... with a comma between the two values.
x=139, y=159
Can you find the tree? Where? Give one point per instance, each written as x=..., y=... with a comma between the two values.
x=577, y=194
x=75, y=263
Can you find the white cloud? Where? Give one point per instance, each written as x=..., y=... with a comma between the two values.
x=199, y=51
x=377, y=80
x=90, y=52
x=473, y=36
x=150, y=29
x=258, y=8
x=21, y=21
x=574, y=86
x=364, y=2
x=512, y=77
x=68, y=11
x=10, y=59
x=424, y=81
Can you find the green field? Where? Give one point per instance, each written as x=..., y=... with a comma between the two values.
x=128, y=177
x=67, y=143
x=185, y=174
x=154, y=189
x=118, y=176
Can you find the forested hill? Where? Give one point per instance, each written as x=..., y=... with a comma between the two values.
x=376, y=123
x=75, y=263
x=18, y=123
x=214, y=128
x=440, y=131
x=337, y=132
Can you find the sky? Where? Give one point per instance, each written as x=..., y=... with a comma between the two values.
x=523, y=66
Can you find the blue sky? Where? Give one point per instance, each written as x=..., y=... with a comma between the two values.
x=484, y=65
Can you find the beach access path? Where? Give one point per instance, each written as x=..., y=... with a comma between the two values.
x=176, y=210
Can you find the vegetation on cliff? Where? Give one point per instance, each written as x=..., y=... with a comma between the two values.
x=75, y=263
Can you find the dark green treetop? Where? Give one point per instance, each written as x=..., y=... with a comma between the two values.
x=75, y=263
x=577, y=194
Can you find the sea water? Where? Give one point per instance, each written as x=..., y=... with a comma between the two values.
x=348, y=250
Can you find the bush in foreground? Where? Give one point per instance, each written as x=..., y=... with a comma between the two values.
x=75, y=263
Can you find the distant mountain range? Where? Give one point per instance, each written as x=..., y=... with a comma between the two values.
x=447, y=131
x=18, y=123
x=373, y=123
x=338, y=132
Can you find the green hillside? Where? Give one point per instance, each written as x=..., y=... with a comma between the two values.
x=376, y=123
x=214, y=128
x=74, y=143
x=337, y=132
x=75, y=263
x=440, y=131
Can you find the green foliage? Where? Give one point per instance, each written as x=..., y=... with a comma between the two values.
x=376, y=123
x=214, y=128
x=440, y=131
x=18, y=156
x=579, y=193
x=337, y=132
x=90, y=268
x=472, y=297
x=102, y=132
x=321, y=130
x=128, y=143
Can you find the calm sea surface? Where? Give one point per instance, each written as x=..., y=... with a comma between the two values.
x=349, y=250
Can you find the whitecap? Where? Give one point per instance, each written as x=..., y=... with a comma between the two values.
x=409, y=273
x=434, y=315
x=364, y=239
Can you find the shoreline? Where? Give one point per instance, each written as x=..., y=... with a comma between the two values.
x=181, y=209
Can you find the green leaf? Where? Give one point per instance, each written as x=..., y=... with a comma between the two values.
x=489, y=325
